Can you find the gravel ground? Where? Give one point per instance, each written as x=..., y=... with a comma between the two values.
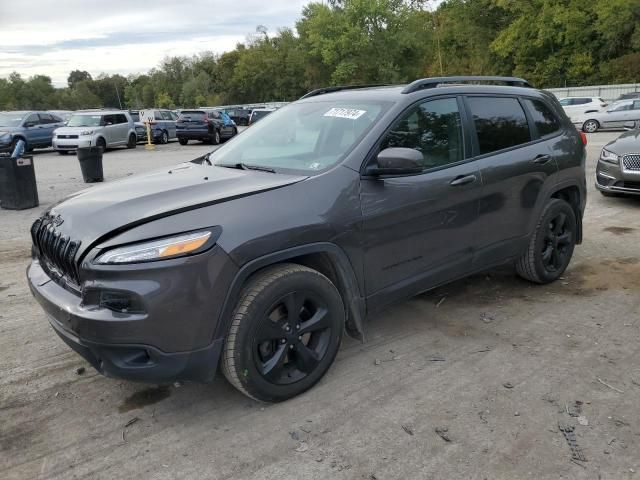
x=492, y=363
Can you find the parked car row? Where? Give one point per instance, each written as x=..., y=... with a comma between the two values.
x=35, y=128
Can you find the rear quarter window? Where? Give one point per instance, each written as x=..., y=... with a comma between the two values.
x=500, y=123
x=543, y=117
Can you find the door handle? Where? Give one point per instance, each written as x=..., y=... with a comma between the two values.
x=542, y=159
x=462, y=180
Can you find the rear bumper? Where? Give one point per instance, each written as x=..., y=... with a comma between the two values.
x=193, y=135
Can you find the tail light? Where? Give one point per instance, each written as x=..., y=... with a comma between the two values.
x=583, y=137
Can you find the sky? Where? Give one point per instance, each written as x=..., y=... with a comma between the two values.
x=54, y=37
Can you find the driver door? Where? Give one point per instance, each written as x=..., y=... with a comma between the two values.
x=419, y=230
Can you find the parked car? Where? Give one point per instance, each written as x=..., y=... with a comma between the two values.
x=240, y=116
x=95, y=128
x=163, y=124
x=34, y=127
x=259, y=255
x=614, y=117
x=65, y=115
x=629, y=96
x=260, y=113
x=618, y=169
x=574, y=106
x=205, y=125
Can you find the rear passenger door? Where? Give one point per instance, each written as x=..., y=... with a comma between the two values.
x=169, y=123
x=48, y=124
x=515, y=165
x=420, y=230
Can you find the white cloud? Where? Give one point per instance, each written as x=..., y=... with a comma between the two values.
x=124, y=36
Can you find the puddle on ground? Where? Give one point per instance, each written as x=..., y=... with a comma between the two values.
x=619, y=230
x=602, y=275
x=145, y=397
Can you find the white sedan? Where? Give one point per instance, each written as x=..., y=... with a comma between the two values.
x=615, y=116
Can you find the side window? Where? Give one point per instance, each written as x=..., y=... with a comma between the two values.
x=121, y=118
x=565, y=101
x=543, y=118
x=581, y=101
x=636, y=105
x=434, y=128
x=46, y=118
x=500, y=123
x=108, y=120
x=174, y=116
x=32, y=119
x=166, y=115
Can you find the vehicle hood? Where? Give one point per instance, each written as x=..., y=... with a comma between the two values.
x=100, y=212
x=628, y=142
x=4, y=130
x=74, y=130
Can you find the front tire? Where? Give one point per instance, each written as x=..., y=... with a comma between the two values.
x=590, y=126
x=551, y=245
x=164, y=138
x=285, y=332
x=183, y=141
x=215, y=138
x=102, y=144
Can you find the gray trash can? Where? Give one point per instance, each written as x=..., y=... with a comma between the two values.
x=90, y=159
x=18, y=188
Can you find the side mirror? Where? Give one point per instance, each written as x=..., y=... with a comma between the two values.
x=631, y=125
x=397, y=161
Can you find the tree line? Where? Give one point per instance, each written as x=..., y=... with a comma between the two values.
x=551, y=43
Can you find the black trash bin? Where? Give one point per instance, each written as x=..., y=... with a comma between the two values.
x=18, y=188
x=90, y=159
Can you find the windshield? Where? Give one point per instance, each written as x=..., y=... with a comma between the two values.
x=84, y=120
x=302, y=137
x=10, y=119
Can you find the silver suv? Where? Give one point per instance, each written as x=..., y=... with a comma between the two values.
x=101, y=128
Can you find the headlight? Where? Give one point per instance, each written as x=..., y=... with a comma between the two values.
x=165, y=248
x=609, y=157
x=87, y=132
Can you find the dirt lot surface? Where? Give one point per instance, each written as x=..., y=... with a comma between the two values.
x=492, y=363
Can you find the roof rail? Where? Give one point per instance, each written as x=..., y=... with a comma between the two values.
x=322, y=91
x=425, y=83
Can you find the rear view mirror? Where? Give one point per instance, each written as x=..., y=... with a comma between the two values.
x=631, y=125
x=397, y=161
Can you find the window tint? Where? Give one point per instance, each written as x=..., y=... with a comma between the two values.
x=636, y=105
x=173, y=115
x=433, y=128
x=565, y=101
x=165, y=115
x=581, y=101
x=121, y=118
x=500, y=123
x=47, y=118
x=543, y=118
x=32, y=119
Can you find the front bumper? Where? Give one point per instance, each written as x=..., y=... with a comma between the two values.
x=69, y=144
x=170, y=339
x=614, y=179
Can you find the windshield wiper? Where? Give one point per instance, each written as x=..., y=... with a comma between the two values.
x=245, y=166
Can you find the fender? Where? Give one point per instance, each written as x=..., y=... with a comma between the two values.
x=352, y=297
x=579, y=211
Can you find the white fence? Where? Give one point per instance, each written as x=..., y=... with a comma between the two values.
x=608, y=93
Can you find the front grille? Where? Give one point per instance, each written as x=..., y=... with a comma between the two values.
x=631, y=162
x=55, y=250
x=67, y=136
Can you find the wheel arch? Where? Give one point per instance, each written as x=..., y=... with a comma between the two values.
x=571, y=193
x=326, y=258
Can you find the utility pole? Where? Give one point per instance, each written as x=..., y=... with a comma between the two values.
x=118, y=94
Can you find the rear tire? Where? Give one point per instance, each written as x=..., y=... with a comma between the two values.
x=164, y=138
x=183, y=141
x=551, y=245
x=215, y=138
x=133, y=141
x=285, y=332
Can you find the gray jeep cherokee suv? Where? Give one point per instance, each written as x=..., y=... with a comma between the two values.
x=258, y=256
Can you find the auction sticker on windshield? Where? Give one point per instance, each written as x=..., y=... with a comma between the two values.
x=348, y=113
